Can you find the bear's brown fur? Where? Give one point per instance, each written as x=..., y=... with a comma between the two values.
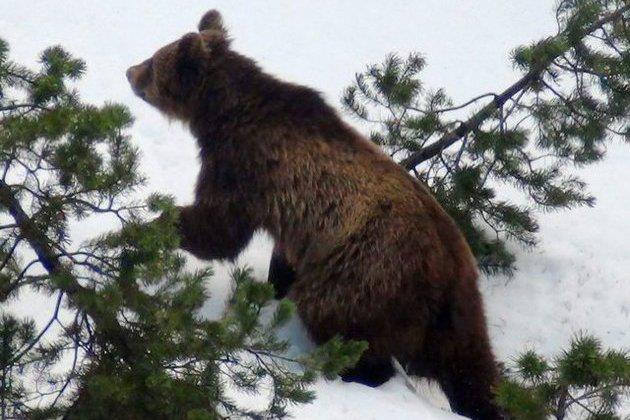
x=375, y=257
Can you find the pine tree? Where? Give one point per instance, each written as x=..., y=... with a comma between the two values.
x=584, y=381
x=125, y=339
x=572, y=99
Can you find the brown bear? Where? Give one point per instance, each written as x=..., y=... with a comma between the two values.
x=375, y=257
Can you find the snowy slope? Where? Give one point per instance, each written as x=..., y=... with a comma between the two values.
x=578, y=278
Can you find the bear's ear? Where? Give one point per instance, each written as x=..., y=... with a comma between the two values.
x=212, y=21
x=192, y=47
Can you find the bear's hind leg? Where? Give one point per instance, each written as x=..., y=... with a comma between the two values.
x=459, y=356
x=281, y=274
x=467, y=378
x=370, y=370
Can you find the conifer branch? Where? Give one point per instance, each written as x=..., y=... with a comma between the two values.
x=50, y=261
x=33, y=235
x=487, y=111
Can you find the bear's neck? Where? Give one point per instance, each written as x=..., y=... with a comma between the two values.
x=256, y=103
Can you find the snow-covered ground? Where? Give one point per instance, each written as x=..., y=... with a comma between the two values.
x=577, y=279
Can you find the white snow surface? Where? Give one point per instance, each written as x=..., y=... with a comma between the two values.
x=578, y=278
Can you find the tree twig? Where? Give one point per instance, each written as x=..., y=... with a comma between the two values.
x=34, y=342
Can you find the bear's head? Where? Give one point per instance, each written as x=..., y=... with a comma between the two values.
x=177, y=76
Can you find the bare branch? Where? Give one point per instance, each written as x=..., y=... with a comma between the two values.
x=42, y=332
x=21, y=106
x=464, y=105
x=10, y=253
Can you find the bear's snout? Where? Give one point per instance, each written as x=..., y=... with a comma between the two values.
x=139, y=77
x=133, y=74
x=130, y=73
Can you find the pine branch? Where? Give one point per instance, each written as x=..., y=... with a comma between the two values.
x=487, y=111
x=50, y=261
x=34, y=236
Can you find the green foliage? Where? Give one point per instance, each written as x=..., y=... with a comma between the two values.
x=573, y=99
x=583, y=380
x=125, y=339
x=336, y=355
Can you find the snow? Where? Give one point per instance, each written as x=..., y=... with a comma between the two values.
x=576, y=279
x=338, y=400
